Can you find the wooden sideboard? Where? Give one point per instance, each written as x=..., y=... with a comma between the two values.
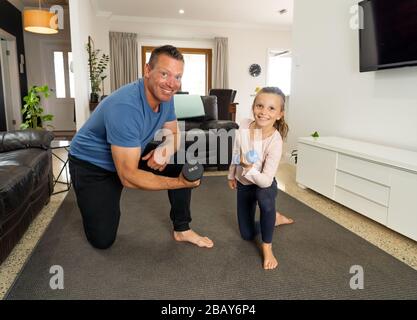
x=232, y=110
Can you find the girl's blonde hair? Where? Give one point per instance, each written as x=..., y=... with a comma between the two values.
x=280, y=124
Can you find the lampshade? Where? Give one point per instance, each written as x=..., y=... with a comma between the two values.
x=39, y=21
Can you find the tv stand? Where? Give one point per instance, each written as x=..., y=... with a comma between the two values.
x=377, y=181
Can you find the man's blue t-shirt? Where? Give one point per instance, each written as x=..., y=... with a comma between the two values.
x=124, y=119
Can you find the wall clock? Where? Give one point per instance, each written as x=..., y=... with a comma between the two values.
x=255, y=70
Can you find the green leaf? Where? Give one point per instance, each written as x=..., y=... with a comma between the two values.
x=47, y=117
x=32, y=110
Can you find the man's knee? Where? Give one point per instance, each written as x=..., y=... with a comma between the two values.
x=101, y=243
x=173, y=170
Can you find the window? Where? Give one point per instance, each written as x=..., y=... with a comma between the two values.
x=71, y=75
x=279, y=70
x=59, y=74
x=197, y=72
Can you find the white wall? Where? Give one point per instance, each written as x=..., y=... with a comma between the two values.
x=331, y=96
x=84, y=23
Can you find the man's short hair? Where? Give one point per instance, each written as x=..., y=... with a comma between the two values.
x=168, y=50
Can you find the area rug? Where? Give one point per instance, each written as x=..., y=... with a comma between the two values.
x=318, y=259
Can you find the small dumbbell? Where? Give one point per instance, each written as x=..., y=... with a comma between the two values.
x=252, y=156
x=192, y=172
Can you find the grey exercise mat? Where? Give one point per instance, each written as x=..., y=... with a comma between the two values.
x=315, y=256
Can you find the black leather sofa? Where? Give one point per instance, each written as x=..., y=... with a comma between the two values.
x=208, y=139
x=26, y=182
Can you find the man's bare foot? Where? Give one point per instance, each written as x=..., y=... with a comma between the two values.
x=194, y=238
x=280, y=219
x=270, y=262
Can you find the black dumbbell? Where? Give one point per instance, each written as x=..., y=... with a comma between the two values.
x=192, y=172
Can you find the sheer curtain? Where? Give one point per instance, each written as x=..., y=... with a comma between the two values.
x=221, y=57
x=123, y=59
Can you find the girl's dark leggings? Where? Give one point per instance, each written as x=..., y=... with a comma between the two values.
x=247, y=198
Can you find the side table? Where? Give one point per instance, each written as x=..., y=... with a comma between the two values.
x=55, y=146
x=232, y=110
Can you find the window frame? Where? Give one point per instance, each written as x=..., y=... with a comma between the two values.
x=206, y=52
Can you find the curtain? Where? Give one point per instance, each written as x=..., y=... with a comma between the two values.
x=221, y=56
x=123, y=59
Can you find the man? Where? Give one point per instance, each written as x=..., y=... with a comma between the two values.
x=106, y=151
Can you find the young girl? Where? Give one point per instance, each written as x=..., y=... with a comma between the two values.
x=257, y=152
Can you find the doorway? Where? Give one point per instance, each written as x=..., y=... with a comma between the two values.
x=58, y=75
x=10, y=104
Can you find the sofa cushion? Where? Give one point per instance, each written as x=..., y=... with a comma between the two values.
x=190, y=125
x=21, y=172
x=15, y=140
x=219, y=124
x=25, y=182
x=16, y=184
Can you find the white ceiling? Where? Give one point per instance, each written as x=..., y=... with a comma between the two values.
x=260, y=12
x=44, y=3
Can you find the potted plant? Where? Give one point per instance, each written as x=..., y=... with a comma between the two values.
x=32, y=110
x=98, y=65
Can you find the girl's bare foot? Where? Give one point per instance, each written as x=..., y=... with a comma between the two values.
x=270, y=262
x=194, y=238
x=280, y=219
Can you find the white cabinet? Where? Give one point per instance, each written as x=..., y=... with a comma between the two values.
x=376, y=181
x=402, y=213
x=316, y=170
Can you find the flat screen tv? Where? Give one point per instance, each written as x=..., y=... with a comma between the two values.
x=388, y=36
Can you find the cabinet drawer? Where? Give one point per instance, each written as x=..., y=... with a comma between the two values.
x=364, y=206
x=362, y=168
x=365, y=188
